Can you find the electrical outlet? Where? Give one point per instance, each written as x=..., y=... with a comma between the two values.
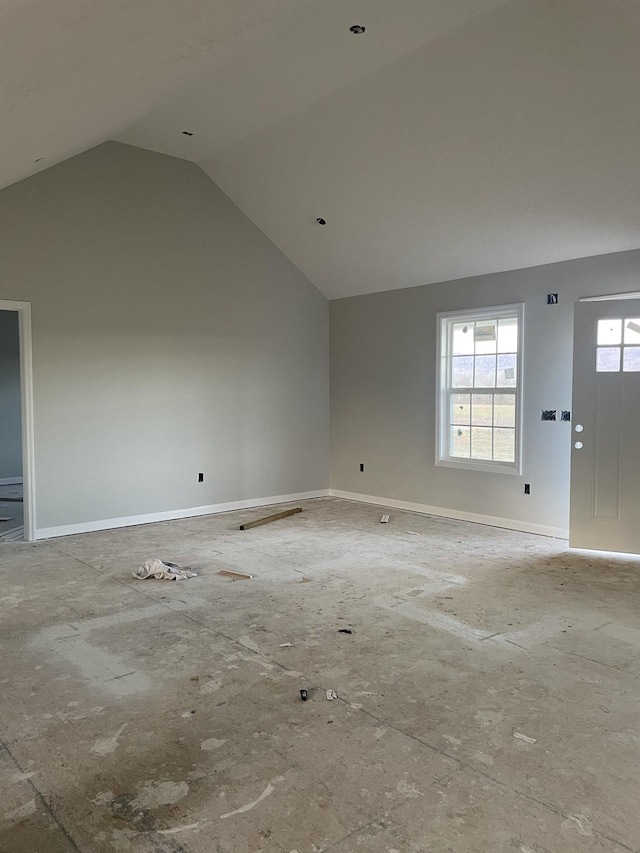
x=201, y=477
x=362, y=467
x=552, y=298
x=548, y=415
x=527, y=488
x=565, y=415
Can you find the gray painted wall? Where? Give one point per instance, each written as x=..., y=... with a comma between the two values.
x=169, y=337
x=383, y=389
x=10, y=419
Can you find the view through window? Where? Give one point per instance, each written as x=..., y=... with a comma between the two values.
x=479, y=400
x=618, y=345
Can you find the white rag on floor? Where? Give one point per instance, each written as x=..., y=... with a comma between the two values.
x=161, y=570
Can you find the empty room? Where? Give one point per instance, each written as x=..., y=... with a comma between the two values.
x=319, y=394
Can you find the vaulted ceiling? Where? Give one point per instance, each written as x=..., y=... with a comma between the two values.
x=451, y=138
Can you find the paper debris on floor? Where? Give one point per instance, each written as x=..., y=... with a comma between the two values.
x=238, y=576
x=161, y=570
x=384, y=519
x=331, y=694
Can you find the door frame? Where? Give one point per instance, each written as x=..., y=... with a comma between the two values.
x=613, y=297
x=23, y=310
x=608, y=297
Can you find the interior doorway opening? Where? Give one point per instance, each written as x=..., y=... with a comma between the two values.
x=17, y=499
x=11, y=475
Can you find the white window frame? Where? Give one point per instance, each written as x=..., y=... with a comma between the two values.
x=445, y=321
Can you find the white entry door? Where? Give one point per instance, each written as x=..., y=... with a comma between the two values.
x=605, y=453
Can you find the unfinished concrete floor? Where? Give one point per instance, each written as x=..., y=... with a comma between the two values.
x=163, y=717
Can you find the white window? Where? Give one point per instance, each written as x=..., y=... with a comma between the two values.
x=479, y=390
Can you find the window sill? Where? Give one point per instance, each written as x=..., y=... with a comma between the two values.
x=478, y=465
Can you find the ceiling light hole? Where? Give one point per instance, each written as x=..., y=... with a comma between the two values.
x=187, y=133
x=357, y=29
x=321, y=221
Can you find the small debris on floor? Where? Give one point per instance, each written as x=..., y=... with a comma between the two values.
x=525, y=738
x=345, y=631
x=305, y=580
x=237, y=576
x=304, y=695
x=266, y=793
x=384, y=519
x=286, y=645
x=412, y=533
x=163, y=570
x=331, y=695
x=269, y=518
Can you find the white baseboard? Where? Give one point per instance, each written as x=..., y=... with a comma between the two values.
x=212, y=509
x=458, y=515
x=172, y=515
x=10, y=481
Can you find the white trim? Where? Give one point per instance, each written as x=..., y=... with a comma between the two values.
x=10, y=481
x=26, y=394
x=479, y=465
x=173, y=514
x=614, y=296
x=458, y=515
